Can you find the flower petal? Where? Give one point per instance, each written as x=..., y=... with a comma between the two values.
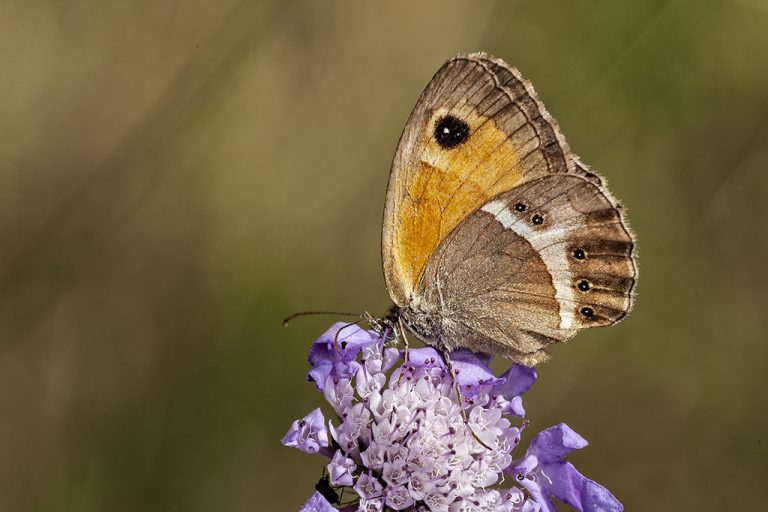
x=340, y=469
x=371, y=505
x=398, y=498
x=563, y=481
x=351, y=340
x=538, y=495
x=317, y=503
x=427, y=356
x=518, y=379
x=472, y=372
x=554, y=443
x=308, y=434
x=328, y=359
x=391, y=355
x=515, y=406
x=319, y=374
x=368, y=486
x=532, y=506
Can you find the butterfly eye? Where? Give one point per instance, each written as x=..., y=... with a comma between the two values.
x=587, y=312
x=451, y=131
x=520, y=207
x=583, y=285
x=537, y=219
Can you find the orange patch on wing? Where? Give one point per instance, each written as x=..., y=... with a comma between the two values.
x=448, y=186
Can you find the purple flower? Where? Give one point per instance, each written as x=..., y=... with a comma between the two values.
x=308, y=434
x=341, y=469
x=544, y=473
x=404, y=441
x=335, y=352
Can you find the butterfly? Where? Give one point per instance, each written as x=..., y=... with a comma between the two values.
x=496, y=238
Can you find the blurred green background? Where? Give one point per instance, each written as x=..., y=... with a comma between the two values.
x=176, y=177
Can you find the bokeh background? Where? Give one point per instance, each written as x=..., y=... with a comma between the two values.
x=176, y=177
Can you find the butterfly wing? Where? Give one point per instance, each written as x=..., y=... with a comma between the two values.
x=477, y=130
x=531, y=267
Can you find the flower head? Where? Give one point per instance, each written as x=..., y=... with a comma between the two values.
x=406, y=440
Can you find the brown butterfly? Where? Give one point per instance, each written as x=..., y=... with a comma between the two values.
x=496, y=238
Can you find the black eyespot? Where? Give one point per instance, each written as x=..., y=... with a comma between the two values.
x=451, y=131
x=587, y=312
x=583, y=285
x=537, y=219
x=579, y=254
x=520, y=207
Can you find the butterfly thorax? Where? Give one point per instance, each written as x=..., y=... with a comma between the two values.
x=425, y=323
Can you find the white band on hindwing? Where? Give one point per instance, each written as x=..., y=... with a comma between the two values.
x=555, y=257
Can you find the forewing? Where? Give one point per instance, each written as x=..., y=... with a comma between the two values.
x=433, y=185
x=533, y=266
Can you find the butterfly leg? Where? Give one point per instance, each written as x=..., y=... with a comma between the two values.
x=405, y=342
x=378, y=325
x=449, y=365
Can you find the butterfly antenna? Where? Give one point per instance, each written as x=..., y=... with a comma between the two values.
x=307, y=313
x=336, y=338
